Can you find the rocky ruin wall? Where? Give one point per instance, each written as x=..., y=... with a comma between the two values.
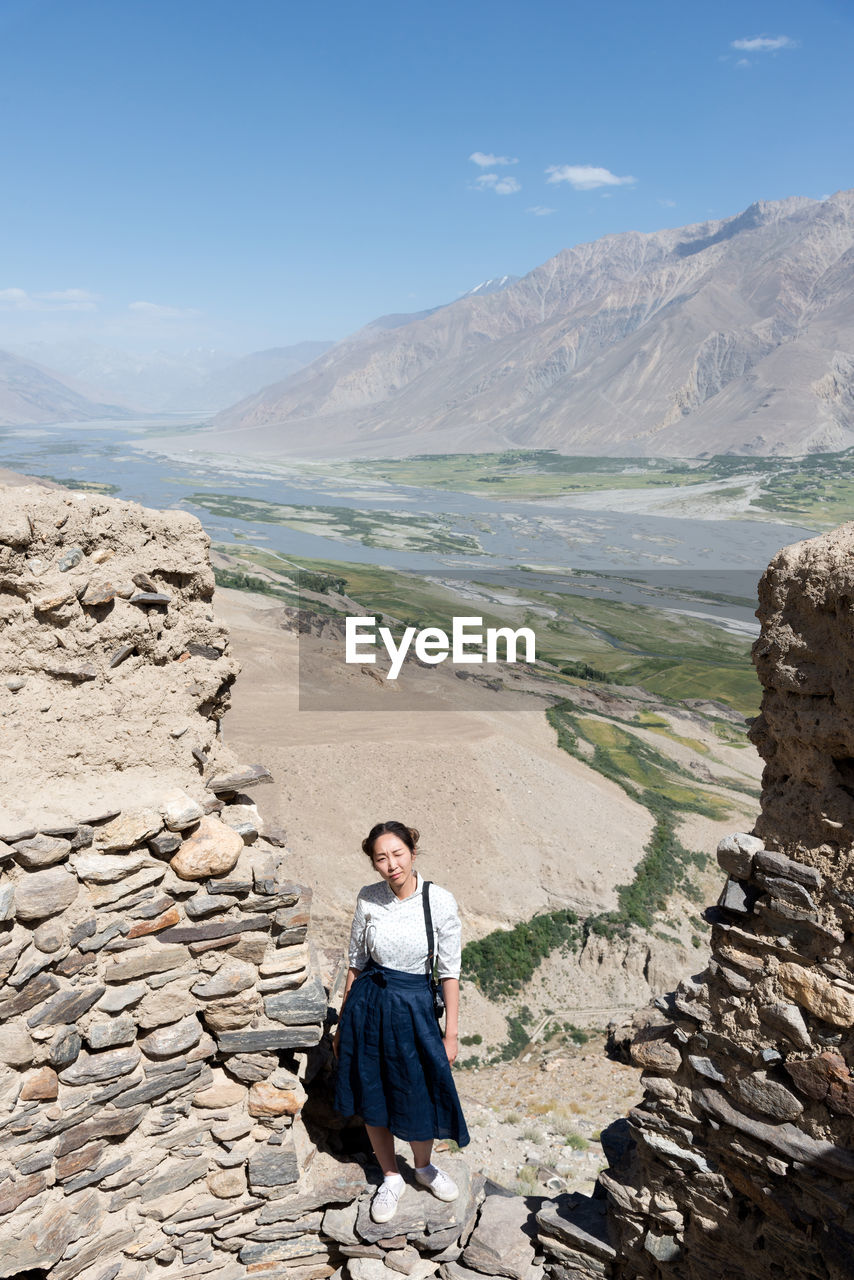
x=740, y=1160
x=159, y=993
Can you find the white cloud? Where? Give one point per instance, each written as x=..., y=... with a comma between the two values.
x=485, y=160
x=51, y=300
x=744, y=62
x=667, y=204
x=501, y=186
x=156, y=311
x=763, y=44
x=540, y=210
x=586, y=177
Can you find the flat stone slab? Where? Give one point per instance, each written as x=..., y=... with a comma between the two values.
x=257, y=1041
x=786, y=1139
x=173, y=1039
x=249, y=776
x=105, y=868
x=41, y=851
x=219, y=929
x=93, y=1068
x=45, y=893
x=131, y=827
x=66, y=1006
x=580, y=1222
x=142, y=962
x=307, y=1004
x=419, y=1213
x=331, y=1182
x=274, y=1166
x=501, y=1243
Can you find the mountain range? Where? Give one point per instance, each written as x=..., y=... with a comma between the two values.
x=31, y=394
x=195, y=380
x=735, y=335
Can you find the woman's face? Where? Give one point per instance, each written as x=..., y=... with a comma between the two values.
x=393, y=860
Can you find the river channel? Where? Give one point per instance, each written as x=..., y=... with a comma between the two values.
x=679, y=560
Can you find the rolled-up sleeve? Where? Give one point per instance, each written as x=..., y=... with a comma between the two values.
x=357, y=954
x=448, y=938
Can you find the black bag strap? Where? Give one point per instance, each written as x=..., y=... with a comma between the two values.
x=428, y=924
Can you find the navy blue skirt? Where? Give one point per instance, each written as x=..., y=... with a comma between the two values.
x=392, y=1067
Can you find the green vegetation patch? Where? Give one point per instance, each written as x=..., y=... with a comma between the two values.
x=394, y=530
x=529, y=473
x=816, y=490
x=85, y=486
x=503, y=961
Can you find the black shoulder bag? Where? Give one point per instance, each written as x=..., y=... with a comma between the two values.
x=435, y=989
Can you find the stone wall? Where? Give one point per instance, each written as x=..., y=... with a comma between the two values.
x=740, y=1160
x=159, y=993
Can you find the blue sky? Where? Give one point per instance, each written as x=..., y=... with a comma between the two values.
x=250, y=173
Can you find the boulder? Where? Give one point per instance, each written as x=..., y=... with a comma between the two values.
x=212, y=850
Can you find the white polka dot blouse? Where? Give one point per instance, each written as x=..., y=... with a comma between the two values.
x=392, y=933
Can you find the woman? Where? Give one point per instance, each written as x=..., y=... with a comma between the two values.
x=394, y=1064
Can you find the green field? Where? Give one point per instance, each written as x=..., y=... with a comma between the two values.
x=816, y=490
x=526, y=473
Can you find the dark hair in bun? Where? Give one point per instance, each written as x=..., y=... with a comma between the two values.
x=408, y=835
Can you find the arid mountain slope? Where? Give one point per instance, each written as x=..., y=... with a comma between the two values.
x=30, y=394
x=735, y=335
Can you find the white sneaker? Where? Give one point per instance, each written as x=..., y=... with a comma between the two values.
x=437, y=1181
x=384, y=1203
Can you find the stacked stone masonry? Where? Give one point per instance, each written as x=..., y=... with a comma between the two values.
x=740, y=1159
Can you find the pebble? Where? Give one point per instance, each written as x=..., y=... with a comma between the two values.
x=266, y=1100
x=225, y=1183
x=49, y=936
x=70, y=559
x=222, y=1094
x=151, y=597
x=119, y=655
